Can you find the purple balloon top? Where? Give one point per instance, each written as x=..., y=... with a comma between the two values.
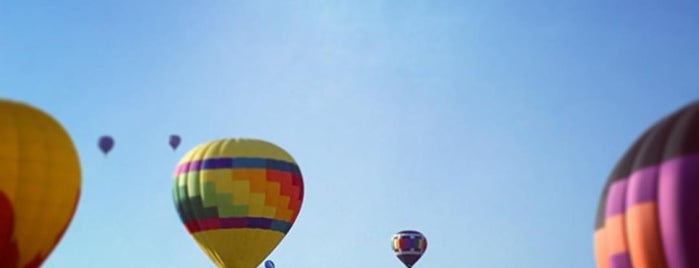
x=106, y=143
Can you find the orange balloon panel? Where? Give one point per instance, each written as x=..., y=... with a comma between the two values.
x=39, y=185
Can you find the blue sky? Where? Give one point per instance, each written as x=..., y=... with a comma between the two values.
x=490, y=126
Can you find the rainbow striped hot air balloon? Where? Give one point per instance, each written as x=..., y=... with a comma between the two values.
x=648, y=215
x=238, y=198
x=39, y=185
x=409, y=246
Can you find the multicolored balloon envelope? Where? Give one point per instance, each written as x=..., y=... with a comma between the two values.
x=238, y=198
x=39, y=185
x=409, y=246
x=648, y=214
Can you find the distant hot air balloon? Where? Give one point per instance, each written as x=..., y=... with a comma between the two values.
x=174, y=141
x=39, y=186
x=106, y=143
x=238, y=198
x=648, y=214
x=409, y=246
x=269, y=264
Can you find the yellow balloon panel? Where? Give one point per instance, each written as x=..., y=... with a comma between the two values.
x=40, y=184
x=238, y=248
x=237, y=148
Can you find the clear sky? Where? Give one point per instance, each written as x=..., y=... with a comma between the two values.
x=490, y=126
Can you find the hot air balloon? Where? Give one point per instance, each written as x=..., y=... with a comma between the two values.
x=409, y=246
x=39, y=186
x=174, y=141
x=648, y=212
x=106, y=143
x=269, y=264
x=238, y=198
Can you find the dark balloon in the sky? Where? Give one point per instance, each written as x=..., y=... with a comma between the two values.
x=269, y=264
x=409, y=246
x=106, y=143
x=174, y=141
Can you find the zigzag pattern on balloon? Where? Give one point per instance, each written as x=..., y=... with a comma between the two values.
x=238, y=192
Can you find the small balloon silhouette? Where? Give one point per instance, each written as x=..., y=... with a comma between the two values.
x=174, y=141
x=106, y=143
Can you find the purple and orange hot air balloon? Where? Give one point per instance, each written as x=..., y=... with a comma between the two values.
x=409, y=246
x=648, y=214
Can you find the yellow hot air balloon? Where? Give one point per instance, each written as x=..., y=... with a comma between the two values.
x=39, y=185
x=238, y=198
